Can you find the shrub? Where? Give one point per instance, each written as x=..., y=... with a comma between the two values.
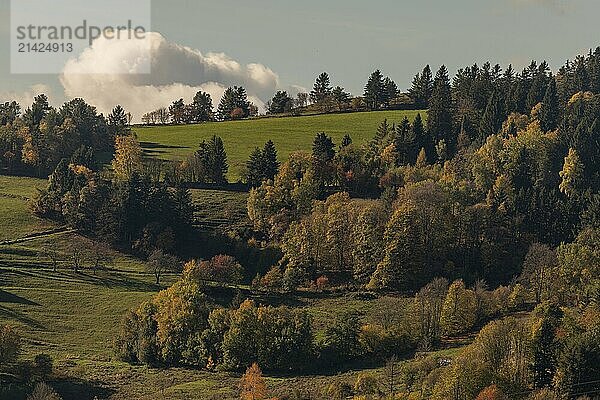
x=220, y=268
x=322, y=282
x=42, y=364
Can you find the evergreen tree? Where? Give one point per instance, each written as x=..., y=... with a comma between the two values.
x=118, y=121
x=280, y=103
x=202, y=107
x=549, y=112
x=213, y=157
x=270, y=163
x=422, y=87
x=346, y=141
x=439, y=119
x=321, y=88
x=418, y=132
x=492, y=119
x=323, y=147
x=234, y=98
x=254, y=168
x=390, y=91
x=405, y=143
x=375, y=91
x=340, y=96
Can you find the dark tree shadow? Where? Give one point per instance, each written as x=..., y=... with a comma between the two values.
x=18, y=316
x=6, y=297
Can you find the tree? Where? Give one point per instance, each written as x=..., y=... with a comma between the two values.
x=128, y=157
x=428, y=304
x=214, y=158
x=539, y=270
x=572, y=174
x=549, y=113
x=346, y=141
x=544, y=344
x=118, y=121
x=254, y=168
x=177, y=111
x=160, y=262
x=234, y=104
x=341, y=97
x=280, y=103
x=270, y=163
x=439, y=116
x=201, y=107
x=52, y=254
x=422, y=87
x=390, y=91
x=252, y=384
x=321, y=89
x=459, y=310
x=10, y=345
x=375, y=94
x=43, y=391
x=492, y=119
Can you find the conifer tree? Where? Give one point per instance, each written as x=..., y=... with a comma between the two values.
x=375, y=91
x=321, y=89
x=549, y=112
x=492, y=119
x=270, y=163
x=346, y=141
x=439, y=119
x=254, y=168
x=422, y=86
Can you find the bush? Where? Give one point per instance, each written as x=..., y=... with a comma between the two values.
x=322, y=282
x=220, y=268
x=42, y=364
x=366, y=384
x=43, y=391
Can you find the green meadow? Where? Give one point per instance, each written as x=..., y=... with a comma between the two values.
x=241, y=137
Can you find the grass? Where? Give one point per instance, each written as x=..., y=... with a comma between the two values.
x=240, y=137
x=16, y=220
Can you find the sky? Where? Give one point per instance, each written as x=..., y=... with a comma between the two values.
x=269, y=45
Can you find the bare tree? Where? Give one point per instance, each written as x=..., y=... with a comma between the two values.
x=160, y=262
x=101, y=256
x=390, y=372
x=77, y=256
x=429, y=302
x=51, y=253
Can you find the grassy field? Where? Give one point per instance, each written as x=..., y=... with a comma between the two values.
x=240, y=137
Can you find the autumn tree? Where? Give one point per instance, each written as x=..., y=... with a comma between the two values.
x=252, y=384
x=128, y=157
x=160, y=262
x=459, y=309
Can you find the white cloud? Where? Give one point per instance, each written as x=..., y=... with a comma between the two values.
x=176, y=72
x=25, y=98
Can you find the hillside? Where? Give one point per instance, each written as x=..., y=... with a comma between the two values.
x=240, y=137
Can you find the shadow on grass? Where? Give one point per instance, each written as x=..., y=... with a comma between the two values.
x=6, y=297
x=78, y=389
x=116, y=281
x=19, y=316
x=152, y=145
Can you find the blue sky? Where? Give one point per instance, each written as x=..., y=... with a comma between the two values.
x=349, y=38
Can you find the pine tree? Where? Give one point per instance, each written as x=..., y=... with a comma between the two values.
x=323, y=148
x=254, y=168
x=390, y=91
x=375, y=91
x=492, y=119
x=217, y=160
x=549, y=112
x=422, y=86
x=270, y=163
x=234, y=98
x=418, y=132
x=405, y=143
x=346, y=141
x=202, y=107
x=280, y=103
x=439, y=119
x=321, y=88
